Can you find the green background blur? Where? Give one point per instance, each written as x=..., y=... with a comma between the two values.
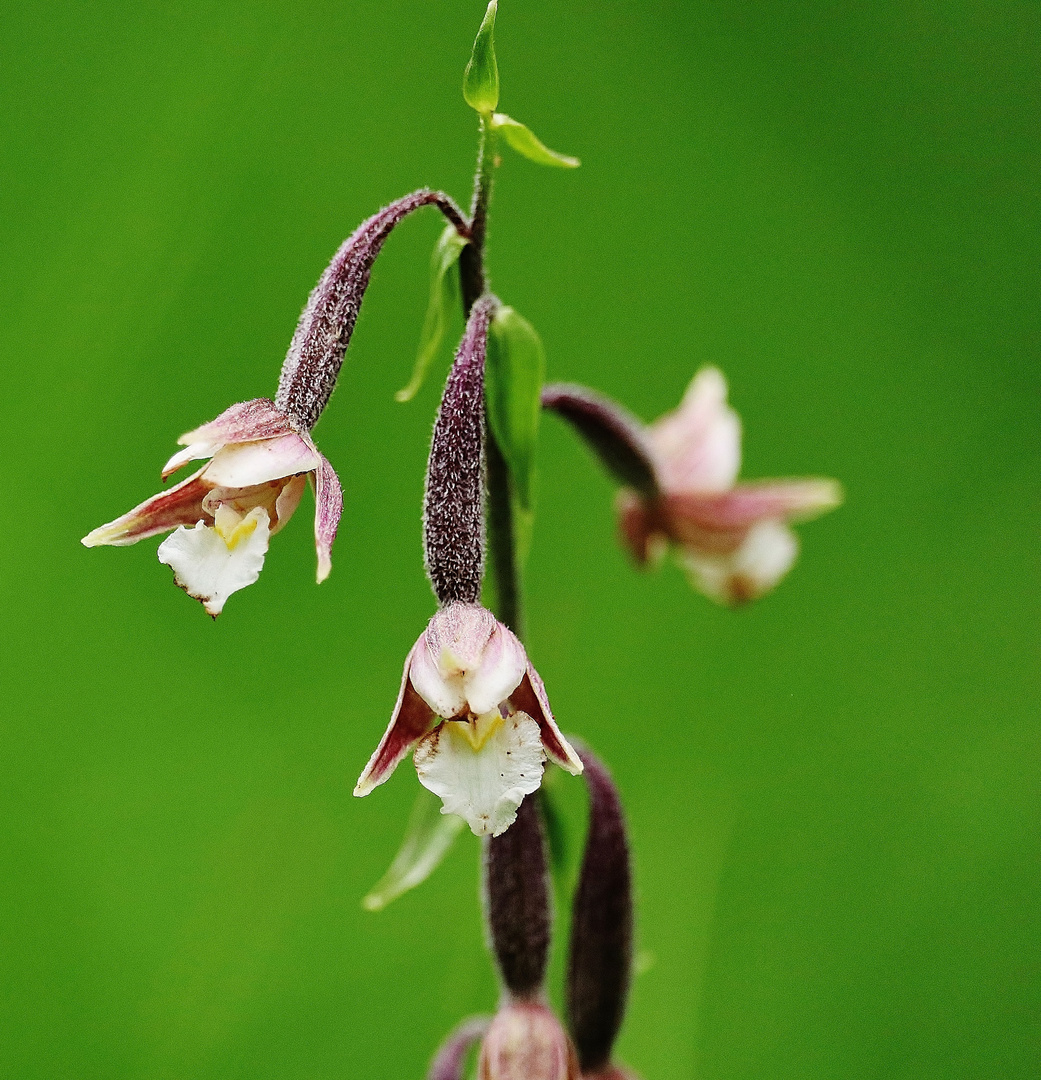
x=833, y=795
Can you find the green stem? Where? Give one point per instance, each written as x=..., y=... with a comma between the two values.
x=471, y=259
x=502, y=545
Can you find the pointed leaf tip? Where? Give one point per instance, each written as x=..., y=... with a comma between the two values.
x=444, y=295
x=527, y=143
x=428, y=839
x=481, y=78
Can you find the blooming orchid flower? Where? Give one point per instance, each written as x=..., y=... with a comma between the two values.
x=734, y=539
x=680, y=487
x=476, y=714
x=224, y=515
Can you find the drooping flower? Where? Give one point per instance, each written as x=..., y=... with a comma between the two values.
x=734, y=539
x=476, y=715
x=224, y=514
x=680, y=477
x=261, y=451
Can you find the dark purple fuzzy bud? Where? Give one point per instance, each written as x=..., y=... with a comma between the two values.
x=517, y=898
x=453, y=512
x=612, y=432
x=450, y=1060
x=600, y=956
x=325, y=327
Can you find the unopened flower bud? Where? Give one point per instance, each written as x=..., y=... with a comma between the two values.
x=518, y=902
x=600, y=955
x=526, y=1042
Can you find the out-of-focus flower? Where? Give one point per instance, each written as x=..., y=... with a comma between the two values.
x=526, y=1042
x=224, y=514
x=734, y=539
x=679, y=478
x=476, y=712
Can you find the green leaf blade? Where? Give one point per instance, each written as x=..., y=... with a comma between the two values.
x=522, y=139
x=444, y=296
x=481, y=78
x=428, y=838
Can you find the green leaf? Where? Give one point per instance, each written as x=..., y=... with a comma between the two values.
x=515, y=369
x=444, y=296
x=481, y=78
x=527, y=143
x=427, y=840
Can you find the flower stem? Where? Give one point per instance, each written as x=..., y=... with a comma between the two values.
x=502, y=549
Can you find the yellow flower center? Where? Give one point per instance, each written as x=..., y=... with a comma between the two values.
x=233, y=527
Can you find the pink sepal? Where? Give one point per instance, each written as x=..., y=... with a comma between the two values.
x=746, y=504
x=411, y=720
x=328, y=506
x=530, y=697
x=245, y=421
x=716, y=523
x=181, y=505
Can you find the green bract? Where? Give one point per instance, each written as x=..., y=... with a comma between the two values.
x=514, y=372
x=526, y=142
x=481, y=78
x=444, y=295
x=427, y=840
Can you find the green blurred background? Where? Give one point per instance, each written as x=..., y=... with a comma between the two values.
x=833, y=795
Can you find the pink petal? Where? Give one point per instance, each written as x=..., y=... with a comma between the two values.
x=501, y=668
x=195, y=452
x=246, y=421
x=530, y=697
x=243, y=464
x=181, y=505
x=328, y=506
x=698, y=446
x=411, y=720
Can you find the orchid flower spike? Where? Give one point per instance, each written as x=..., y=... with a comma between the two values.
x=476, y=714
x=224, y=514
x=681, y=489
x=261, y=451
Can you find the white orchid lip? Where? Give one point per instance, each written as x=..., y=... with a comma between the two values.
x=476, y=713
x=212, y=562
x=482, y=769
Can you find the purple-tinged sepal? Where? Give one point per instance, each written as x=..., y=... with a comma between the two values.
x=450, y=1060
